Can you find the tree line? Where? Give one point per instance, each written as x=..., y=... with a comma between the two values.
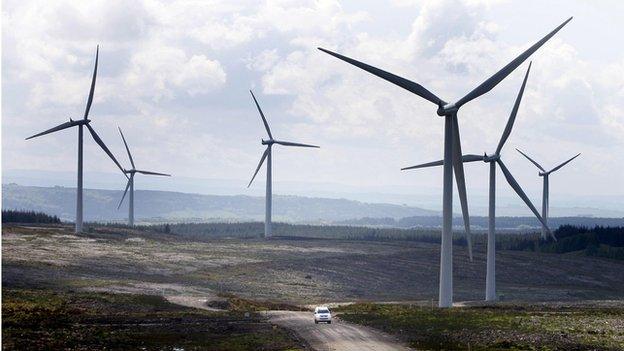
x=22, y=216
x=598, y=241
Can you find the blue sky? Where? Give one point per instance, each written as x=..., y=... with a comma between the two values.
x=175, y=77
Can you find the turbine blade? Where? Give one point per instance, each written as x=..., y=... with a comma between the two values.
x=127, y=149
x=103, y=146
x=266, y=124
x=458, y=167
x=57, y=128
x=516, y=187
x=465, y=158
x=125, y=191
x=153, y=173
x=288, y=143
x=264, y=155
x=425, y=165
x=532, y=161
x=510, y=67
x=392, y=78
x=563, y=164
x=512, y=116
x=90, y=100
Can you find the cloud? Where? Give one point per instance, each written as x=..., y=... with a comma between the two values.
x=159, y=71
x=175, y=75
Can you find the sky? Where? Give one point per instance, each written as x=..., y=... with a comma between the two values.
x=175, y=76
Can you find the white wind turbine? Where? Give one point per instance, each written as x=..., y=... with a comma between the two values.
x=80, y=123
x=130, y=184
x=543, y=173
x=267, y=155
x=452, y=151
x=493, y=159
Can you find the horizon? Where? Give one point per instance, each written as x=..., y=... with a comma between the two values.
x=564, y=206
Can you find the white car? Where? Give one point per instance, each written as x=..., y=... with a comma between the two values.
x=322, y=314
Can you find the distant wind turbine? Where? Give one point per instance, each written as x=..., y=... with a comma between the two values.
x=130, y=184
x=80, y=123
x=493, y=159
x=545, y=174
x=267, y=155
x=452, y=151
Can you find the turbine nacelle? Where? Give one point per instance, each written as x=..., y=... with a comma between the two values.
x=543, y=174
x=268, y=142
x=490, y=158
x=79, y=121
x=447, y=109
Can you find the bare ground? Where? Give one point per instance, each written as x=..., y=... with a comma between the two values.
x=302, y=272
x=293, y=271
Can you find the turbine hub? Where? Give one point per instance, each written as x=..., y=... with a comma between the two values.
x=447, y=109
x=268, y=142
x=490, y=158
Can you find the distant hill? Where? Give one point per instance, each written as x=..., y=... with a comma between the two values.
x=101, y=205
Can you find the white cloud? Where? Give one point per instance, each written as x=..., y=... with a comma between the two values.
x=175, y=75
x=159, y=71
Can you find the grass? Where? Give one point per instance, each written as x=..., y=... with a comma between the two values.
x=52, y=320
x=503, y=327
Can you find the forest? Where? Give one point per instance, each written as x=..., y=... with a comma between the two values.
x=22, y=216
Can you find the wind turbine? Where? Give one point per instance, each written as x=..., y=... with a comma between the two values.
x=130, y=183
x=80, y=123
x=452, y=151
x=267, y=155
x=543, y=173
x=493, y=159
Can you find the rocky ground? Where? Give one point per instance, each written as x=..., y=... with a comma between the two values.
x=230, y=278
x=293, y=271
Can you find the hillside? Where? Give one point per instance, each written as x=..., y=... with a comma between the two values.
x=101, y=205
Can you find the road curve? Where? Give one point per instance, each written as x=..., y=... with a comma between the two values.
x=339, y=335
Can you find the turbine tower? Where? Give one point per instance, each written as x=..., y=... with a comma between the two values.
x=452, y=151
x=493, y=159
x=267, y=155
x=543, y=173
x=85, y=121
x=130, y=184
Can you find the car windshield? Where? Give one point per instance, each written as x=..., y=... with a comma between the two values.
x=322, y=311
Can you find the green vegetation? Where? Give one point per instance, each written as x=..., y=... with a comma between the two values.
x=48, y=320
x=482, y=222
x=597, y=241
x=502, y=327
x=21, y=216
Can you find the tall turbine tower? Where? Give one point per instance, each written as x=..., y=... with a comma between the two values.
x=80, y=123
x=493, y=159
x=130, y=184
x=267, y=155
x=452, y=151
x=543, y=173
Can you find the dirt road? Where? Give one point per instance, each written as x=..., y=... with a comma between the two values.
x=336, y=336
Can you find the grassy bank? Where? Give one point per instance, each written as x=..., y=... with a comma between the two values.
x=47, y=320
x=496, y=328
